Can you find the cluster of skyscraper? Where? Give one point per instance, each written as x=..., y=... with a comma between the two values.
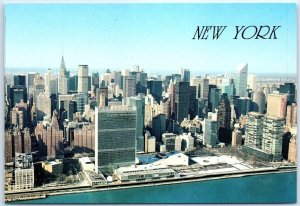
x=115, y=115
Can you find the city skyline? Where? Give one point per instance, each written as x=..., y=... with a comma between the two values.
x=146, y=35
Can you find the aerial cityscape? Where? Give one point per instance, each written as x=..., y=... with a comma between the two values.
x=73, y=129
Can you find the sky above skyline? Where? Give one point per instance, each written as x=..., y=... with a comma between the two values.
x=158, y=37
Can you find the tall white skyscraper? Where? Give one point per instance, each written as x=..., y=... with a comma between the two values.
x=48, y=83
x=251, y=80
x=83, y=73
x=62, y=78
x=240, y=80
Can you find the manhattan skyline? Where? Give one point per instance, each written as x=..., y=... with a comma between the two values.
x=154, y=36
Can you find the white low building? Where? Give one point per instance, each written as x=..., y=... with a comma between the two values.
x=86, y=164
x=143, y=173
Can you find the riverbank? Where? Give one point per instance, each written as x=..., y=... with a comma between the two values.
x=43, y=193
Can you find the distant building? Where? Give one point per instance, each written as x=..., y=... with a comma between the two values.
x=129, y=89
x=63, y=78
x=290, y=90
x=251, y=81
x=259, y=101
x=155, y=88
x=159, y=126
x=224, y=112
x=276, y=105
x=240, y=80
x=185, y=74
x=115, y=142
x=182, y=94
x=291, y=115
x=215, y=96
x=83, y=73
x=243, y=106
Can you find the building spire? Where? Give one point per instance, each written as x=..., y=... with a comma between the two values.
x=62, y=63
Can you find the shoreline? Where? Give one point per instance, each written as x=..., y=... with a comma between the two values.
x=15, y=197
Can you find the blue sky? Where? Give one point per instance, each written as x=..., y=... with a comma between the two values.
x=158, y=37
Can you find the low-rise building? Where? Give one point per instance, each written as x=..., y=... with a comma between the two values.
x=53, y=167
x=94, y=179
x=143, y=173
x=86, y=164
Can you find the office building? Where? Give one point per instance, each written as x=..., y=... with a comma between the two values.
x=63, y=78
x=84, y=138
x=185, y=75
x=273, y=130
x=129, y=89
x=237, y=137
x=210, y=132
x=290, y=90
x=19, y=80
x=155, y=88
x=240, y=80
x=291, y=115
x=276, y=105
x=224, y=112
x=16, y=94
x=115, y=141
x=50, y=138
x=139, y=103
x=83, y=73
x=243, y=105
x=254, y=130
x=171, y=142
x=215, y=96
x=182, y=96
x=24, y=172
x=30, y=82
x=292, y=155
x=81, y=101
x=159, y=126
x=251, y=81
x=259, y=102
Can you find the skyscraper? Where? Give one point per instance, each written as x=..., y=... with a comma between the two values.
x=83, y=73
x=155, y=88
x=115, y=142
x=291, y=115
x=224, y=112
x=273, y=130
x=185, y=74
x=129, y=87
x=139, y=103
x=259, y=101
x=254, y=130
x=210, y=132
x=276, y=105
x=19, y=80
x=215, y=96
x=240, y=80
x=63, y=78
x=289, y=90
x=182, y=94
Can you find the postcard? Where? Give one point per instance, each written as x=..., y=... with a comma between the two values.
x=150, y=103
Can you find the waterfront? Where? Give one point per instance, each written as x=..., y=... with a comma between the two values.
x=263, y=188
